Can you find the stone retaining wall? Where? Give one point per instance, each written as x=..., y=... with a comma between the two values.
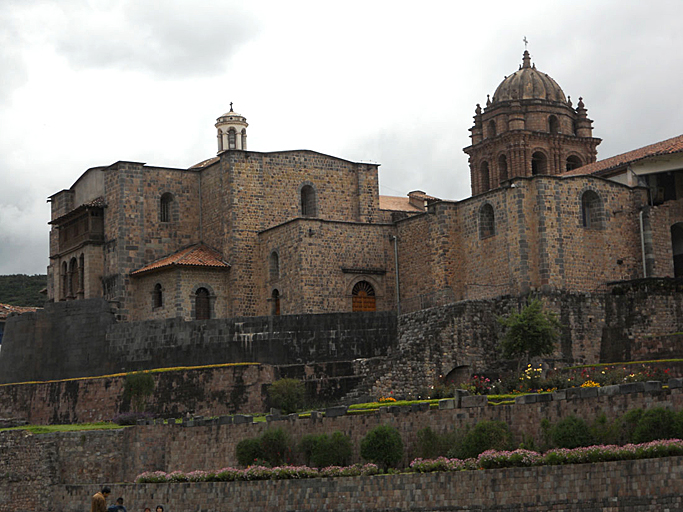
x=631, y=486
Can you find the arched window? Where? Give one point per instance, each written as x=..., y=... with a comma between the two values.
x=220, y=141
x=574, y=127
x=487, y=222
x=677, y=248
x=573, y=162
x=539, y=164
x=275, y=302
x=591, y=210
x=363, y=297
x=165, y=204
x=309, y=208
x=502, y=167
x=65, y=281
x=492, y=128
x=157, y=297
x=485, y=179
x=73, y=277
x=244, y=139
x=274, y=266
x=553, y=124
x=81, y=276
x=202, y=304
x=232, y=138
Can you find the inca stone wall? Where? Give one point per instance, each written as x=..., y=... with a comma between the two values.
x=81, y=339
x=59, y=472
x=628, y=486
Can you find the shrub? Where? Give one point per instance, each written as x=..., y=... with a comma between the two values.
x=130, y=418
x=275, y=446
x=571, y=432
x=604, y=431
x=287, y=394
x=383, y=446
x=248, y=451
x=655, y=424
x=306, y=447
x=628, y=423
x=136, y=388
x=431, y=445
x=334, y=450
x=531, y=333
x=486, y=435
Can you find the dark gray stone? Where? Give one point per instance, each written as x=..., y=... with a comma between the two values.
x=526, y=399
x=421, y=407
x=446, y=403
x=474, y=401
x=675, y=383
x=225, y=420
x=609, y=390
x=652, y=386
x=559, y=395
x=544, y=397
x=631, y=387
x=588, y=392
x=333, y=412
x=239, y=419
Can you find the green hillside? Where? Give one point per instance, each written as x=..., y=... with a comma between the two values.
x=22, y=290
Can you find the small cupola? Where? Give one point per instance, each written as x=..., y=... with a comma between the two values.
x=232, y=131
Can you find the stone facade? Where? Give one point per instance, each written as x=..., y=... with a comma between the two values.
x=299, y=232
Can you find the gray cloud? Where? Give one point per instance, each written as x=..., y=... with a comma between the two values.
x=169, y=39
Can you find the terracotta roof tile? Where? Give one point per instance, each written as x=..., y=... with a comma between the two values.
x=7, y=309
x=206, y=163
x=665, y=147
x=397, y=204
x=95, y=203
x=198, y=255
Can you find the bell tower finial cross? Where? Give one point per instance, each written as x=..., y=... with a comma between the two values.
x=231, y=107
x=526, y=43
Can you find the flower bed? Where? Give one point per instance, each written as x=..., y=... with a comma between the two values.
x=490, y=459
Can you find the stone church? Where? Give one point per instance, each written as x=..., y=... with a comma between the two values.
x=297, y=232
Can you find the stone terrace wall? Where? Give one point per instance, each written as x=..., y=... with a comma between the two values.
x=81, y=339
x=205, y=391
x=121, y=455
x=48, y=471
x=630, y=486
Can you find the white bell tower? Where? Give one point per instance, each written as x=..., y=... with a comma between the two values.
x=232, y=131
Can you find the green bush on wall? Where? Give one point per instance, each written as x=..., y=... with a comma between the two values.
x=287, y=395
x=571, y=432
x=323, y=450
x=273, y=447
x=383, y=446
x=485, y=435
x=136, y=388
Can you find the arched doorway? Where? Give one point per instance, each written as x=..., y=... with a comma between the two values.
x=363, y=297
x=539, y=164
x=275, y=298
x=202, y=304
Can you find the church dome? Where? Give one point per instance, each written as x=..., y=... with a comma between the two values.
x=528, y=84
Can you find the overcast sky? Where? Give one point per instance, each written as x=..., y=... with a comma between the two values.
x=90, y=82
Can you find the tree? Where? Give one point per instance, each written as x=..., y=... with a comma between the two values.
x=287, y=394
x=531, y=333
x=383, y=446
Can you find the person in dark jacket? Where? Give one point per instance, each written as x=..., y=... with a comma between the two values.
x=118, y=507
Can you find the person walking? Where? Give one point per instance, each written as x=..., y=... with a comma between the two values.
x=99, y=500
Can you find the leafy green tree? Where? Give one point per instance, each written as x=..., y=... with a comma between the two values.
x=287, y=394
x=486, y=435
x=530, y=333
x=383, y=446
x=23, y=290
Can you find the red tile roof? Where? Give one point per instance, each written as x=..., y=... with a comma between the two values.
x=665, y=147
x=397, y=204
x=198, y=255
x=206, y=163
x=7, y=309
x=98, y=202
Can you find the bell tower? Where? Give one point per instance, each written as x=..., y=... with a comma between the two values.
x=232, y=131
x=528, y=128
